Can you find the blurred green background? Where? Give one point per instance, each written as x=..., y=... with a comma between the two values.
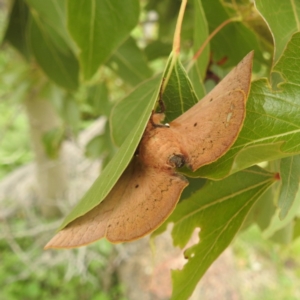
x=266, y=270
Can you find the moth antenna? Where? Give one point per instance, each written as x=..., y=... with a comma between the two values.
x=151, y=119
x=160, y=100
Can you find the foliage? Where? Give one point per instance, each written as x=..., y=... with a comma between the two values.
x=22, y=280
x=273, y=268
x=76, y=45
x=14, y=143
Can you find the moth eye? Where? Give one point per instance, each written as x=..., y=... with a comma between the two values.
x=177, y=160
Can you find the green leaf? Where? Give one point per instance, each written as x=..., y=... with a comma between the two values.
x=219, y=209
x=284, y=235
x=99, y=28
x=53, y=15
x=179, y=94
x=277, y=223
x=123, y=115
x=195, y=184
x=157, y=49
x=283, y=20
x=235, y=39
x=95, y=147
x=296, y=228
x=200, y=36
x=264, y=209
x=198, y=71
x=130, y=63
x=272, y=126
x=16, y=29
x=109, y=176
x=178, y=97
x=59, y=63
x=101, y=146
x=290, y=178
x=98, y=100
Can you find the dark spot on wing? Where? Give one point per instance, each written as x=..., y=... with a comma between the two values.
x=195, y=124
x=136, y=186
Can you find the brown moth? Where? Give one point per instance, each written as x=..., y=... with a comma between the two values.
x=149, y=189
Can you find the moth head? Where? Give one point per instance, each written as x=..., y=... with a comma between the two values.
x=177, y=160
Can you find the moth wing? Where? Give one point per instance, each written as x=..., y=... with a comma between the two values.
x=139, y=202
x=209, y=128
x=92, y=226
x=151, y=196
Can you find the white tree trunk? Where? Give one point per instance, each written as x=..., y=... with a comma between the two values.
x=51, y=176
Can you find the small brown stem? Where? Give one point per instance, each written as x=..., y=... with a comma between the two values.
x=176, y=39
x=209, y=38
x=176, y=42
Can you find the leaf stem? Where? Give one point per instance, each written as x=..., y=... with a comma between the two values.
x=176, y=42
x=176, y=39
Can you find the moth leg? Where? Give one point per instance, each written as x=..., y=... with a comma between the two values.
x=209, y=73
